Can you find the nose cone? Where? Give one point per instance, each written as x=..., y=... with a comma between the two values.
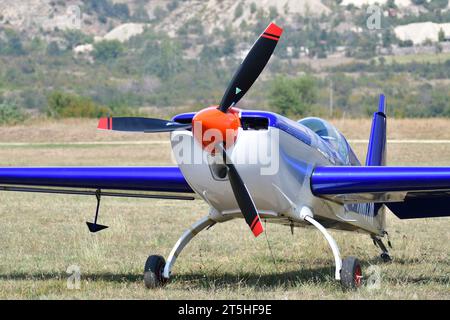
x=211, y=126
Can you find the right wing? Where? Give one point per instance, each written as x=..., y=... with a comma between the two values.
x=409, y=192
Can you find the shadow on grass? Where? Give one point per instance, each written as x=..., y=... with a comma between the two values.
x=209, y=279
x=321, y=275
x=201, y=280
x=45, y=276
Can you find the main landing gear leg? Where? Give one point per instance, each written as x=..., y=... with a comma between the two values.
x=348, y=271
x=384, y=251
x=157, y=271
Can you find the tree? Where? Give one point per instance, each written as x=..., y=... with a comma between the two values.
x=121, y=11
x=273, y=12
x=10, y=113
x=107, y=50
x=163, y=59
x=391, y=4
x=405, y=43
x=441, y=35
x=239, y=10
x=13, y=45
x=436, y=4
x=387, y=38
x=293, y=96
x=229, y=46
x=64, y=105
x=76, y=37
x=159, y=13
x=53, y=49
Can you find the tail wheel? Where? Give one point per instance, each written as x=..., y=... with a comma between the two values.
x=153, y=272
x=351, y=273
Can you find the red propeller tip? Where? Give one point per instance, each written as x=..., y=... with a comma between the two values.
x=257, y=228
x=273, y=29
x=104, y=123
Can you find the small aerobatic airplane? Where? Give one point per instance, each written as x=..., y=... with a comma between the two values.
x=315, y=178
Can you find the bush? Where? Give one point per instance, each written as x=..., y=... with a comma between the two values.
x=239, y=11
x=293, y=96
x=11, y=114
x=405, y=43
x=64, y=105
x=107, y=50
x=12, y=45
x=164, y=59
x=75, y=37
x=53, y=49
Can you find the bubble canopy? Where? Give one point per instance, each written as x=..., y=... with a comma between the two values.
x=329, y=134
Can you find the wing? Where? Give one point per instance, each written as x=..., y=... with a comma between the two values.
x=409, y=192
x=136, y=181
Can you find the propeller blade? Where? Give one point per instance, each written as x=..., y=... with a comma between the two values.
x=139, y=124
x=251, y=67
x=243, y=197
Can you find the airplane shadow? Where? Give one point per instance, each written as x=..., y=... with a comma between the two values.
x=201, y=280
x=45, y=276
x=258, y=281
x=317, y=275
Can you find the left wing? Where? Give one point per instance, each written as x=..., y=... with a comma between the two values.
x=409, y=192
x=135, y=181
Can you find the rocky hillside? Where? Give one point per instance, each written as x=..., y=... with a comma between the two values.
x=98, y=16
x=54, y=51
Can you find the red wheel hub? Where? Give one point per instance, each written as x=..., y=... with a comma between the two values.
x=358, y=276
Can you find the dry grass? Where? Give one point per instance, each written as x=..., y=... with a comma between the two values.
x=42, y=235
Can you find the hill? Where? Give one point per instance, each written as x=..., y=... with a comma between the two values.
x=137, y=56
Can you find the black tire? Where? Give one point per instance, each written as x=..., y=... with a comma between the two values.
x=351, y=273
x=153, y=270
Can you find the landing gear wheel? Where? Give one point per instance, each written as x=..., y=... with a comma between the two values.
x=351, y=274
x=153, y=272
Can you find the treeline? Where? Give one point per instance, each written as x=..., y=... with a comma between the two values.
x=62, y=105
x=438, y=70
x=193, y=69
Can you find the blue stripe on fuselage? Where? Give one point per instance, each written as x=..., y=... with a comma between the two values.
x=298, y=131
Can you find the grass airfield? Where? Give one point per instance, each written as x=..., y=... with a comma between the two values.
x=44, y=235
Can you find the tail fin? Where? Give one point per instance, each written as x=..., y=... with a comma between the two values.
x=376, y=152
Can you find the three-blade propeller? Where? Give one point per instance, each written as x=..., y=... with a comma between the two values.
x=222, y=118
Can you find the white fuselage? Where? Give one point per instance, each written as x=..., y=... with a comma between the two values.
x=280, y=187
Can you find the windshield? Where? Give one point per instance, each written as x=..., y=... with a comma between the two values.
x=329, y=134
